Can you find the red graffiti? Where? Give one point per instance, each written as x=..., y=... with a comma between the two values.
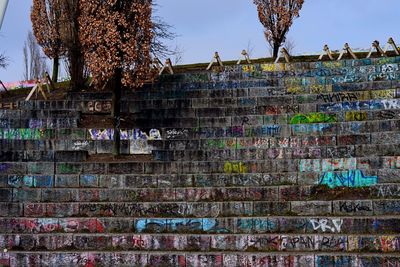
x=138, y=242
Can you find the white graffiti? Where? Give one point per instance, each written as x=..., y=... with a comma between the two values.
x=388, y=68
x=138, y=134
x=333, y=225
x=80, y=145
x=139, y=147
x=388, y=191
x=138, y=140
x=391, y=103
x=174, y=133
x=105, y=134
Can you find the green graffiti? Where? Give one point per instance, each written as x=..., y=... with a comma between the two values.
x=25, y=134
x=315, y=117
x=67, y=168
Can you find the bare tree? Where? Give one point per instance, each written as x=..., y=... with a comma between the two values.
x=277, y=16
x=178, y=53
x=34, y=61
x=250, y=48
x=289, y=45
x=162, y=31
x=3, y=61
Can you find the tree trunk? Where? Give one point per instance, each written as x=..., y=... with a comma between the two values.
x=116, y=109
x=275, y=50
x=76, y=62
x=56, y=61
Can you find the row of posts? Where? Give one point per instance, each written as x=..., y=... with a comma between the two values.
x=244, y=57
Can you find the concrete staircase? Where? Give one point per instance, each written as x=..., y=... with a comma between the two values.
x=254, y=165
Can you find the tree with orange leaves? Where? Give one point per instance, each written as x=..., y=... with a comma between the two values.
x=46, y=24
x=277, y=16
x=116, y=37
x=56, y=28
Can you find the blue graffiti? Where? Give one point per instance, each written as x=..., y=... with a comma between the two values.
x=316, y=128
x=339, y=261
x=351, y=178
x=30, y=181
x=204, y=224
x=88, y=180
x=375, y=104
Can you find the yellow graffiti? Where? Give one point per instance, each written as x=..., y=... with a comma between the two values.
x=356, y=116
x=319, y=89
x=382, y=94
x=332, y=65
x=296, y=90
x=273, y=67
x=292, y=82
x=235, y=167
x=248, y=68
x=363, y=95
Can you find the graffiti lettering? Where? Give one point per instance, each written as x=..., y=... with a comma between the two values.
x=313, y=118
x=99, y=106
x=333, y=225
x=351, y=178
x=356, y=116
x=353, y=207
x=337, y=97
x=235, y=167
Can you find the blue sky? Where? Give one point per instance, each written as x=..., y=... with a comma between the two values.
x=227, y=26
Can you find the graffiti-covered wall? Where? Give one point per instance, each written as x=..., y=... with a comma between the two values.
x=251, y=165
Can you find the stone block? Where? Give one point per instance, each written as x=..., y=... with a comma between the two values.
x=88, y=180
x=68, y=168
x=70, y=156
x=65, y=181
x=311, y=208
x=59, y=195
x=271, y=208
x=386, y=207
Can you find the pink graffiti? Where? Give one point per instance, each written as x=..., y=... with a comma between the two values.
x=34, y=225
x=52, y=225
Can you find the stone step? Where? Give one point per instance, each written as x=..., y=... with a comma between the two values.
x=254, y=198
x=286, y=207
x=198, y=184
x=24, y=149
x=91, y=107
x=230, y=76
x=220, y=243
x=195, y=225
x=228, y=98
x=49, y=123
x=19, y=114
x=376, y=105
x=39, y=189
x=191, y=120
x=356, y=142
x=259, y=79
x=149, y=95
x=255, y=153
x=325, y=165
x=197, y=258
